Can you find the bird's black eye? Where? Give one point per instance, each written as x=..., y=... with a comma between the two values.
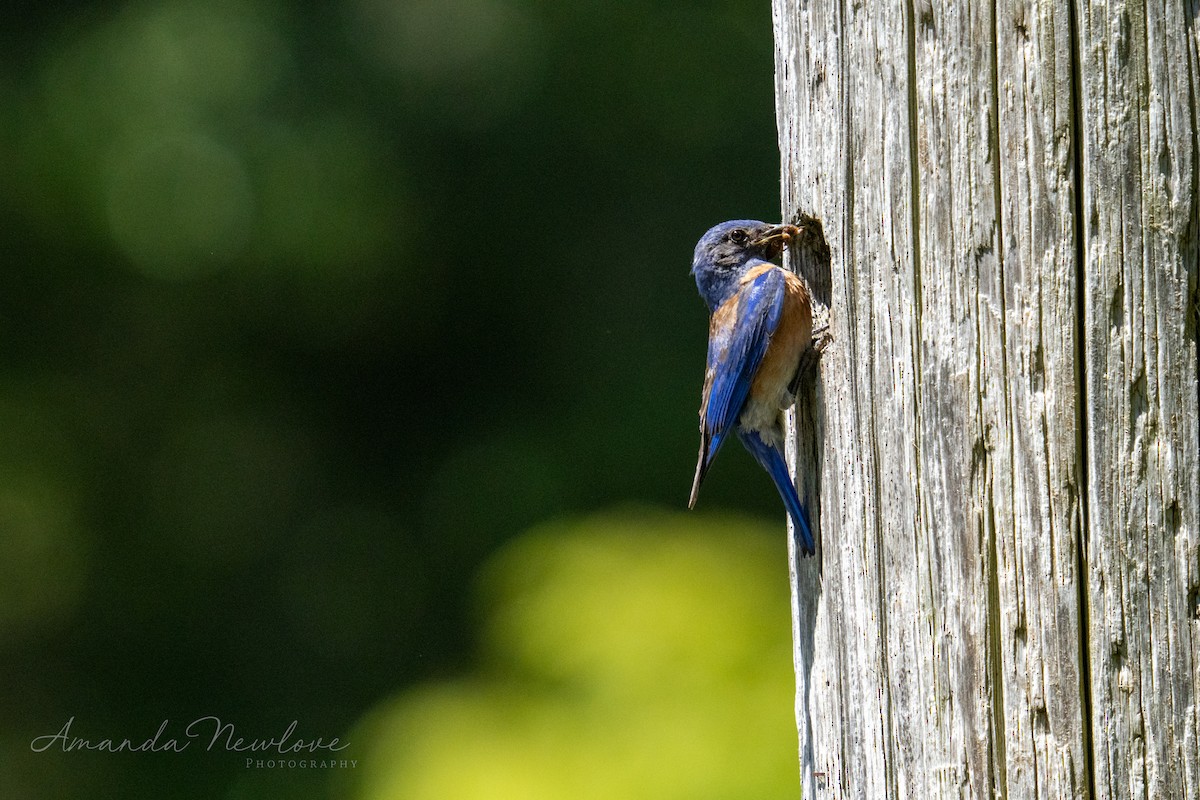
x=738, y=236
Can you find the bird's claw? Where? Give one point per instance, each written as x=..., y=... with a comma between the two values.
x=821, y=338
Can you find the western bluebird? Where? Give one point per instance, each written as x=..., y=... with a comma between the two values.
x=760, y=326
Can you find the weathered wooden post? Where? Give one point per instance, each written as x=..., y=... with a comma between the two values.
x=1002, y=447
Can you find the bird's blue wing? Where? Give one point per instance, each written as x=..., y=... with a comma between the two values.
x=739, y=333
x=738, y=340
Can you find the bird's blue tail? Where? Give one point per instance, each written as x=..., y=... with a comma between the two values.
x=772, y=461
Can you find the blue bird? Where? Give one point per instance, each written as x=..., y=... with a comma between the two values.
x=760, y=326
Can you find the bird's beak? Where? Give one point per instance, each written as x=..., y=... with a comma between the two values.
x=774, y=240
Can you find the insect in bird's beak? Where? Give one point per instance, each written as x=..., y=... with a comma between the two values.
x=775, y=239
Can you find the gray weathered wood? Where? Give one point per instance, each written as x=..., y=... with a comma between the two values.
x=1138, y=64
x=1042, y=748
x=1001, y=446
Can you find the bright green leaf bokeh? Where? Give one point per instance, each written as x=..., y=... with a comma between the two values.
x=631, y=655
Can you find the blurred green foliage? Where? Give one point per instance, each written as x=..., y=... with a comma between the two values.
x=632, y=655
x=305, y=310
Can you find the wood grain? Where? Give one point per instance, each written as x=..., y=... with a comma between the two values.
x=1138, y=64
x=1001, y=445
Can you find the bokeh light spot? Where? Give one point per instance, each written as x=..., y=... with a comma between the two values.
x=179, y=207
x=175, y=62
x=326, y=209
x=210, y=53
x=473, y=60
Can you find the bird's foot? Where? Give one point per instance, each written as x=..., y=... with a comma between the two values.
x=821, y=339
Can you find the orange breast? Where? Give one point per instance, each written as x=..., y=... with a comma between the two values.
x=788, y=342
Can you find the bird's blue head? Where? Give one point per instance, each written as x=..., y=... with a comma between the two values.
x=725, y=253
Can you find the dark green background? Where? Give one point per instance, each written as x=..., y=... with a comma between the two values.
x=306, y=309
